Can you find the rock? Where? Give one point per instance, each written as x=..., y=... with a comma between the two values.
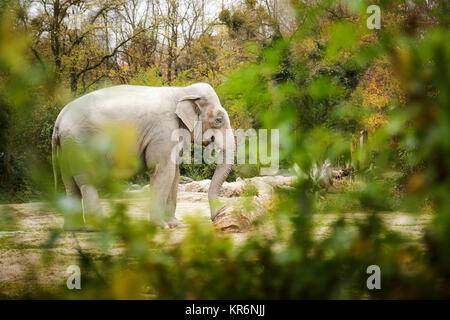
x=196, y=186
x=232, y=189
x=265, y=185
x=229, y=189
x=264, y=190
x=146, y=187
x=248, y=198
x=184, y=179
x=134, y=187
x=239, y=215
x=275, y=181
x=242, y=187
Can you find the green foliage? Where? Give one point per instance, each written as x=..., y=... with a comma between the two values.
x=150, y=77
x=225, y=16
x=250, y=190
x=197, y=171
x=22, y=88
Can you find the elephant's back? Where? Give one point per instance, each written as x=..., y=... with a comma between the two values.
x=118, y=96
x=124, y=103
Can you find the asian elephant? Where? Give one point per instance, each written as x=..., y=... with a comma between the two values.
x=155, y=112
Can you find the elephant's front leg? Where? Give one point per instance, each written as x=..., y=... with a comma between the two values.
x=172, y=201
x=161, y=183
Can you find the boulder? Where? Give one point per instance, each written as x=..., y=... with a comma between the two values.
x=257, y=186
x=134, y=187
x=195, y=186
x=184, y=179
x=274, y=181
x=238, y=216
x=232, y=189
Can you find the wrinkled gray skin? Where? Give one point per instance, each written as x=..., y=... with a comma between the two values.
x=155, y=112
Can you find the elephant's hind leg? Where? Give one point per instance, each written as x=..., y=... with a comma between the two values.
x=92, y=209
x=73, y=216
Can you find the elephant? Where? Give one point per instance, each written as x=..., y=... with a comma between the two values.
x=154, y=112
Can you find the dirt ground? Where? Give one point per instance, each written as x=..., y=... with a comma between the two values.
x=23, y=248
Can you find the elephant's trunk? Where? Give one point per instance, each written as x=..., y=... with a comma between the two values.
x=220, y=174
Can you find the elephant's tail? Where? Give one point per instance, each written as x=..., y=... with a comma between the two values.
x=55, y=147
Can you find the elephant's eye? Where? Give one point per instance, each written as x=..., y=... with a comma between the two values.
x=218, y=120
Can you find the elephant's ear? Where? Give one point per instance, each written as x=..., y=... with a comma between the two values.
x=188, y=110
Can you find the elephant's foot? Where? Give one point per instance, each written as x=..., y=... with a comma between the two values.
x=160, y=223
x=174, y=223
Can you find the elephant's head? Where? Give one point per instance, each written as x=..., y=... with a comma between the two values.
x=200, y=105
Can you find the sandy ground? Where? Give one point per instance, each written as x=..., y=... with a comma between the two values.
x=23, y=248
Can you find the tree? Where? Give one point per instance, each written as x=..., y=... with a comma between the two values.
x=76, y=35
